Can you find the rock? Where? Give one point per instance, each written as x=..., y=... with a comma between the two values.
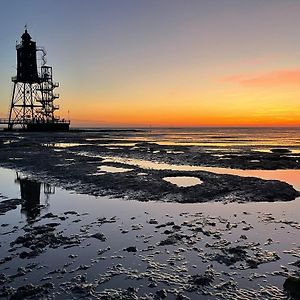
x=153, y=221
x=49, y=216
x=23, y=254
x=131, y=249
x=172, y=239
x=296, y=263
x=246, y=228
x=3, y=278
x=37, y=238
x=99, y=236
x=292, y=286
x=71, y=212
x=6, y=291
x=281, y=150
x=152, y=285
x=5, y=259
x=82, y=288
x=53, y=224
x=176, y=227
x=24, y=238
x=205, y=279
x=9, y=204
x=162, y=294
x=262, y=256
x=165, y=224
x=119, y=294
x=30, y=291
x=137, y=226
x=231, y=255
x=167, y=231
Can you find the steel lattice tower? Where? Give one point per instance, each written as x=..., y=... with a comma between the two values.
x=32, y=104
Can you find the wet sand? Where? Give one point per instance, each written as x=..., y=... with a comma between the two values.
x=86, y=235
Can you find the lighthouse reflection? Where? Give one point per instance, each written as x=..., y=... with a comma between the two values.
x=31, y=191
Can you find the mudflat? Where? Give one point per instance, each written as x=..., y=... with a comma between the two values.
x=133, y=215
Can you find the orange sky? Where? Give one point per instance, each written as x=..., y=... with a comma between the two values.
x=257, y=99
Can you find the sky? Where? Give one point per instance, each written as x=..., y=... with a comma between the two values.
x=133, y=63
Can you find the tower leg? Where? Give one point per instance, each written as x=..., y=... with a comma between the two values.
x=10, y=123
x=24, y=105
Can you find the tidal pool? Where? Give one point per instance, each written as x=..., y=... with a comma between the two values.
x=183, y=181
x=291, y=176
x=111, y=169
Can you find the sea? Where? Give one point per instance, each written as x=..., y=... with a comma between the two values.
x=210, y=136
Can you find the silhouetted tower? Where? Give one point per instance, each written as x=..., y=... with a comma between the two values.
x=32, y=104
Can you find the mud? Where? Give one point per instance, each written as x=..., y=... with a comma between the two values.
x=197, y=234
x=9, y=204
x=91, y=252
x=66, y=167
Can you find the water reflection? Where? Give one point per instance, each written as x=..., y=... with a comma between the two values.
x=30, y=190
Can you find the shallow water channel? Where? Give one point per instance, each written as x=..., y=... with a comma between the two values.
x=136, y=224
x=291, y=176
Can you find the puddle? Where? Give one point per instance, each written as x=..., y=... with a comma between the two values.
x=218, y=155
x=290, y=176
x=8, y=142
x=183, y=181
x=110, y=169
x=278, y=150
x=174, y=152
x=113, y=148
x=112, y=144
x=63, y=145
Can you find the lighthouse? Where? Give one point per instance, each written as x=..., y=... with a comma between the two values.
x=33, y=99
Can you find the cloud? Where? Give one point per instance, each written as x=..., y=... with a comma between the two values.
x=273, y=78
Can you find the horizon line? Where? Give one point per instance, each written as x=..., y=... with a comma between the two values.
x=178, y=127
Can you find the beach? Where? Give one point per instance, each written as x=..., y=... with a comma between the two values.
x=188, y=213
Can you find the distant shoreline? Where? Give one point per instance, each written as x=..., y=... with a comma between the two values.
x=143, y=129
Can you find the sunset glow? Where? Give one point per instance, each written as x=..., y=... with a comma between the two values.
x=164, y=63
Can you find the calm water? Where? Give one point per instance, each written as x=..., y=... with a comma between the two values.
x=215, y=137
